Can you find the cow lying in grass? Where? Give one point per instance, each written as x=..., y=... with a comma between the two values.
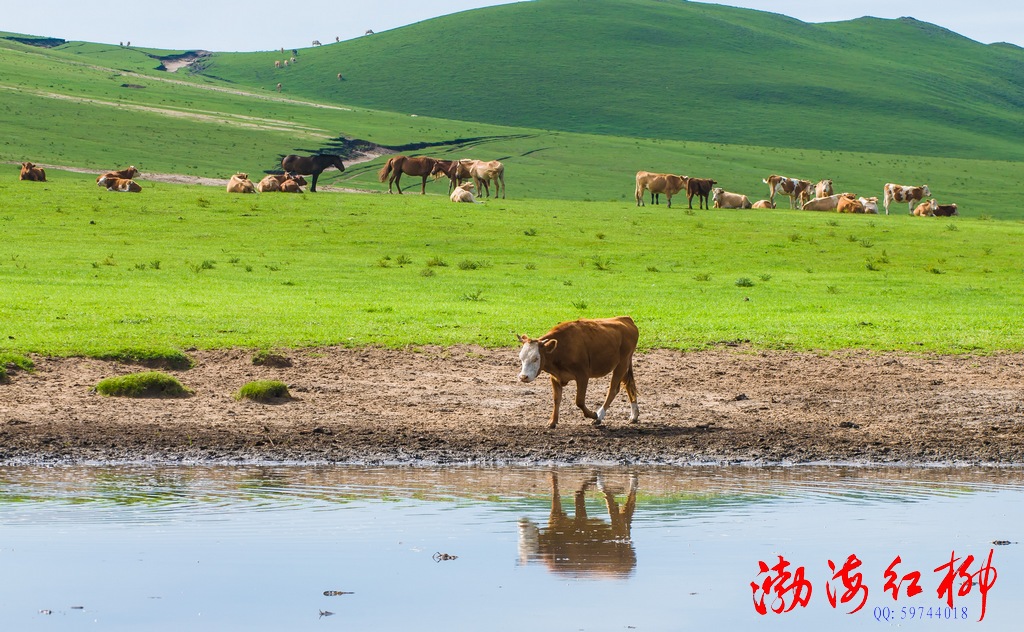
x=829, y=203
x=274, y=183
x=32, y=173
x=723, y=199
x=122, y=185
x=124, y=174
x=240, y=183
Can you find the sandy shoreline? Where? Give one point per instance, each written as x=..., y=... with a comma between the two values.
x=464, y=405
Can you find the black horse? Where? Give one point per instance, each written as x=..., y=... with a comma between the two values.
x=311, y=165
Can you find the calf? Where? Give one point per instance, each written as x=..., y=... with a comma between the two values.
x=850, y=205
x=724, y=199
x=870, y=205
x=32, y=173
x=579, y=350
x=926, y=209
x=946, y=210
x=899, y=193
x=763, y=204
x=122, y=185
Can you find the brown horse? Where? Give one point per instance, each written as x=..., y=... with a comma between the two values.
x=311, y=165
x=393, y=169
x=449, y=168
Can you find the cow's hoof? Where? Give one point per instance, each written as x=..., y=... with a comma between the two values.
x=597, y=423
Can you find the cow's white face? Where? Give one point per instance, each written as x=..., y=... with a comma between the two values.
x=529, y=355
x=926, y=191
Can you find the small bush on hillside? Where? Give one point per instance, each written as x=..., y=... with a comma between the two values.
x=148, y=384
x=744, y=282
x=263, y=390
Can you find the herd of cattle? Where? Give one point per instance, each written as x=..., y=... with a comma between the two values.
x=465, y=174
x=800, y=194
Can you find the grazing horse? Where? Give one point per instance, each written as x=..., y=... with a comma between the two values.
x=393, y=169
x=311, y=165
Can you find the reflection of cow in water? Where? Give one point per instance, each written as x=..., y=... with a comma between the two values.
x=582, y=546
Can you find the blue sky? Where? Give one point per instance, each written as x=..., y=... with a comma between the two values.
x=232, y=26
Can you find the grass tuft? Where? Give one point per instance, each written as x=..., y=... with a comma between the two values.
x=148, y=384
x=154, y=359
x=263, y=391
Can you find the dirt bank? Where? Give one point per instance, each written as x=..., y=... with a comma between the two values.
x=464, y=404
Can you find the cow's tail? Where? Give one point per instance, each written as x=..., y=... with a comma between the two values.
x=382, y=175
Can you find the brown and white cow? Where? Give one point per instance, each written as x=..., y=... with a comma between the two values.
x=823, y=188
x=795, y=189
x=829, y=203
x=240, y=183
x=926, y=209
x=900, y=193
x=32, y=173
x=946, y=210
x=723, y=199
x=658, y=183
x=122, y=185
x=870, y=204
x=763, y=204
x=124, y=174
x=700, y=187
x=579, y=350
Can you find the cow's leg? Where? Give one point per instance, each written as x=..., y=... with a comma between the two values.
x=630, y=385
x=910, y=205
x=556, y=393
x=668, y=197
x=618, y=376
x=689, y=199
x=581, y=399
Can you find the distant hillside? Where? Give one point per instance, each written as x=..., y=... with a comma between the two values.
x=678, y=70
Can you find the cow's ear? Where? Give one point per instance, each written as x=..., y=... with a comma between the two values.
x=523, y=338
x=549, y=345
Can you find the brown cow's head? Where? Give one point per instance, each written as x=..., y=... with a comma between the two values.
x=532, y=356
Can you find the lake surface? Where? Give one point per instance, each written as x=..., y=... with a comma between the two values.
x=463, y=548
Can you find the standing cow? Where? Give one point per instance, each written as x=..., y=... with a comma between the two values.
x=899, y=193
x=658, y=183
x=579, y=350
x=795, y=189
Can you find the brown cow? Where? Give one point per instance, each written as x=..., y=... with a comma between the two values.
x=926, y=209
x=123, y=185
x=579, y=350
x=795, y=189
x=763, y=204
x=701, y=187
x=290, y=186
x=657, y=183
x=124, y=174
x=583, y=545
x=823, y=188
x=273, y=182
x=240, y=183
x=946, y=210
x=899, y=193
x=32, y=173
x=850, y=205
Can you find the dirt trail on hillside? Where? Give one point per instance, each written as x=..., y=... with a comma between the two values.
x=465, y=405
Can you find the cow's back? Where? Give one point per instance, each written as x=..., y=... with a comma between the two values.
x=593, y=347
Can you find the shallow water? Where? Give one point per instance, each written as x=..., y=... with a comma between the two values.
x=256, y=548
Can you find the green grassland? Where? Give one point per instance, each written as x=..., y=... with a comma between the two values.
x=578, y=103
x=177, y=267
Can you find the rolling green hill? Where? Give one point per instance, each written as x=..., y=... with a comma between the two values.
x=678, y=70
